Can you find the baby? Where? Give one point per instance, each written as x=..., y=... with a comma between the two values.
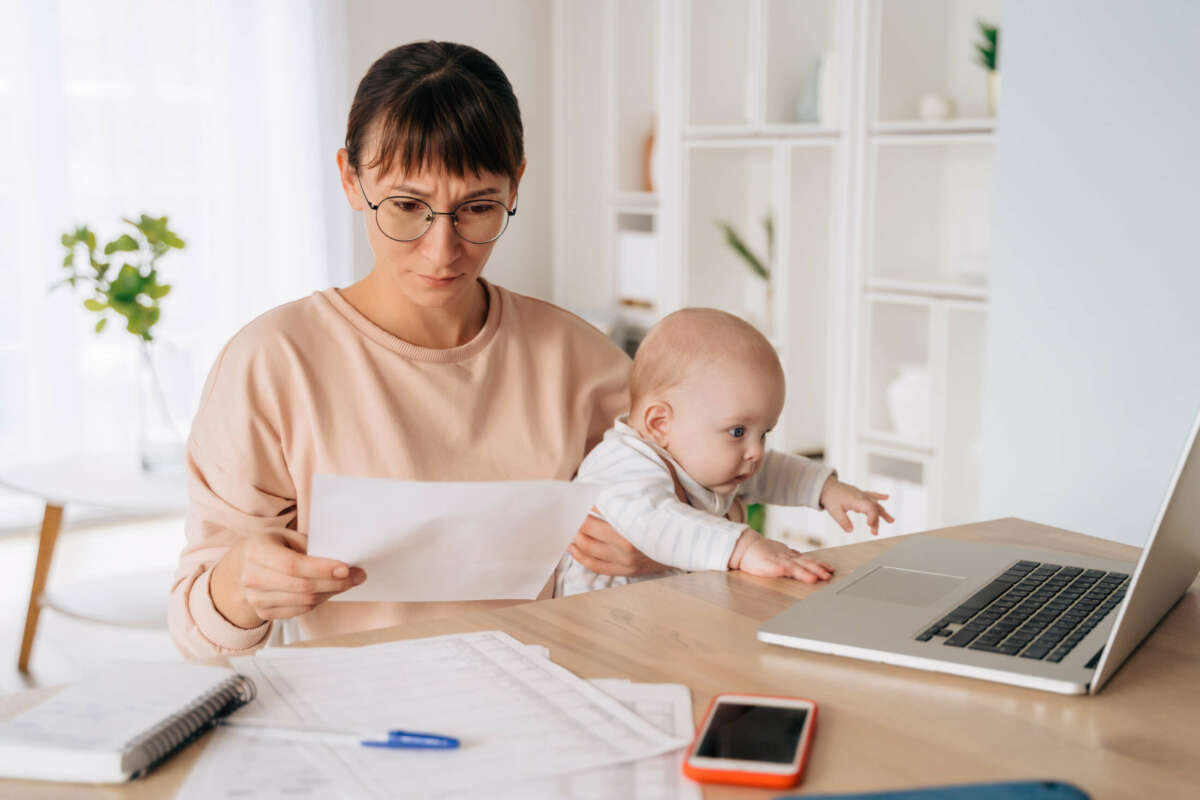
x=706, y=389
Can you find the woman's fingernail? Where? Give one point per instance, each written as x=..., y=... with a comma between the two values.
x=341, y=572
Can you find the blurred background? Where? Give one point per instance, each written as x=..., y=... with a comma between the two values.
x=964, y=224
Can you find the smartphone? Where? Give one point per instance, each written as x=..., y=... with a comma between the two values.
x=752, y=740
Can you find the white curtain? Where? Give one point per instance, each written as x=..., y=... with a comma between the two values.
x=225, y=116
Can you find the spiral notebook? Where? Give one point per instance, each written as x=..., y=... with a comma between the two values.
x=118, y=723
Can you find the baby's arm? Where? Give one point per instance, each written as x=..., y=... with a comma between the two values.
x=791, y=480
x=645, y=510
x=787, y=480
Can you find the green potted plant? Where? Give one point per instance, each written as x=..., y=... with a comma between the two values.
x=985, y=55
x=123, y=283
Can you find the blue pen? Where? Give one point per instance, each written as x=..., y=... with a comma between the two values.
x=411, y=740
x=396, y=740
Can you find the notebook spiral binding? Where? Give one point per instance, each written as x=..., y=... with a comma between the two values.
x=148, y=749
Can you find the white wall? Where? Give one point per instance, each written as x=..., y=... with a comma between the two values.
x=1094, y=344
x=517, y=35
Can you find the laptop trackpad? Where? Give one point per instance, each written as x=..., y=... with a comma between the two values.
x=906, y=586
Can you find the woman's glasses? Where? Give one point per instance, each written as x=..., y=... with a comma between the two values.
x=405, y=219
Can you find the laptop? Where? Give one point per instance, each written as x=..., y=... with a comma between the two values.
x=1044, y=619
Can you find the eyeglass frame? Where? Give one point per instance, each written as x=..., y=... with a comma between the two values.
x=451, y=214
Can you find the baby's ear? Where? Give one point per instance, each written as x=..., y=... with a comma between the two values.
x=656, y=419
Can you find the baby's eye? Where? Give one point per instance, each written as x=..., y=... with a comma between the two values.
x=737, y=431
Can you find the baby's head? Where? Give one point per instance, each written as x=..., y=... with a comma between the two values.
x=706, y=387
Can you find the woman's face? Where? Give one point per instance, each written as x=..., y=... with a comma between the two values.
x=439, y=268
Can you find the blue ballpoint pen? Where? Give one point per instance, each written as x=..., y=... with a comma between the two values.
x=396, y=740
x=409, y=739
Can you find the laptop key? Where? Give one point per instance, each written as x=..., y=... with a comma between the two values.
x=985, y=595
x=1035, y=651
x=961, y=639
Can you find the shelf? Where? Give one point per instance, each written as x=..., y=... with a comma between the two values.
x=804, y=131
x=925, y=47
x=906, y=482
x=896, y=445
x=979, y=125
x=900, y=382
x=930, y=212
x=717, y=276
x=720, y=88
x=634, y=202
x=934, y=291
x=633, y=93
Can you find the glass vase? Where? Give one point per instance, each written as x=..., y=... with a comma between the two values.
x=160, y=438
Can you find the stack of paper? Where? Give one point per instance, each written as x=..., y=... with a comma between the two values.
x=528, y=727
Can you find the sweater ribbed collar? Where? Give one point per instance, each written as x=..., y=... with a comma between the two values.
x=411, y=351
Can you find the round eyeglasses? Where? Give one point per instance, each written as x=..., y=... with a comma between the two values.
x=405, y=219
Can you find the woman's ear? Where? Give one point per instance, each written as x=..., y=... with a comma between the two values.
x=349, y=177
x=512, y=195
x=656, y=421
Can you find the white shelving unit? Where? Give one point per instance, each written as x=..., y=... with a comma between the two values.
x=807, y=110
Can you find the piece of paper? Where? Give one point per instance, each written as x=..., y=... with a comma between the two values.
x=427, y=541
x=234, y=767
x=238, y=767
x=519, y=716
x=668, y=707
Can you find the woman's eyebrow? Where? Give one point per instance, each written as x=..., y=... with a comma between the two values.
x=415, y=192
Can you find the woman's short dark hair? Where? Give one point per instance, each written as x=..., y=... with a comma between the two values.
x=437, y=104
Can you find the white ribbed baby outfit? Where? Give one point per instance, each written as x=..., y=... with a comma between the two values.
x=640, y=502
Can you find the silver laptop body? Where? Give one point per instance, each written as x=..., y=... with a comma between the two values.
x=956, y=607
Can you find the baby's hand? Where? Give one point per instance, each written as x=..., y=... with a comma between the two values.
x=771, y=559
x=838, y=498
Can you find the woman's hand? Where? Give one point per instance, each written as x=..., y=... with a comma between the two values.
x=599, y=547
x=266, y=577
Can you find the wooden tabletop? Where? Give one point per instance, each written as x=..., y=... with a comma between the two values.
x=881, y=727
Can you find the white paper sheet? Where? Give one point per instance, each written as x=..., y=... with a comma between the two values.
x=238, y=767
x=667, y=706
x=425, y=541
x=519, y=716
x=235, y=767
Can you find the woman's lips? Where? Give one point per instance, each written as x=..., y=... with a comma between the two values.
x=438, y=283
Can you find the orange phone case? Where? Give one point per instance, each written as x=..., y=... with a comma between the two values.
x=746, y=778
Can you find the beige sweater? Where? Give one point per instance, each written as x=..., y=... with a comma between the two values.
x=314, y=387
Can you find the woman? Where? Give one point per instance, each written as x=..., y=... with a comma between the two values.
x=421, y=371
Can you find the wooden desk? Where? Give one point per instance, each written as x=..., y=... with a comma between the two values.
x=880, y=726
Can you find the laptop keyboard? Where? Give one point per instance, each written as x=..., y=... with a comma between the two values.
x=1032, y=610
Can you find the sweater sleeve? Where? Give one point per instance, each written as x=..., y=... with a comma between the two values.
x=638, y=500
x=238, y=486
x=787, y=480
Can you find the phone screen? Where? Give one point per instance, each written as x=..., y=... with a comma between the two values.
x=753, y=733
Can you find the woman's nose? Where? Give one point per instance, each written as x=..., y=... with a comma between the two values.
x=440, y=245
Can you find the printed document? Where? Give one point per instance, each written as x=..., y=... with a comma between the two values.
x=445, y=541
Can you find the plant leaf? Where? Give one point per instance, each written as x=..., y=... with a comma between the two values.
x=127, y=285
x=100, y=325
x=94, y=305
x=124, y=244
x=734, y=240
